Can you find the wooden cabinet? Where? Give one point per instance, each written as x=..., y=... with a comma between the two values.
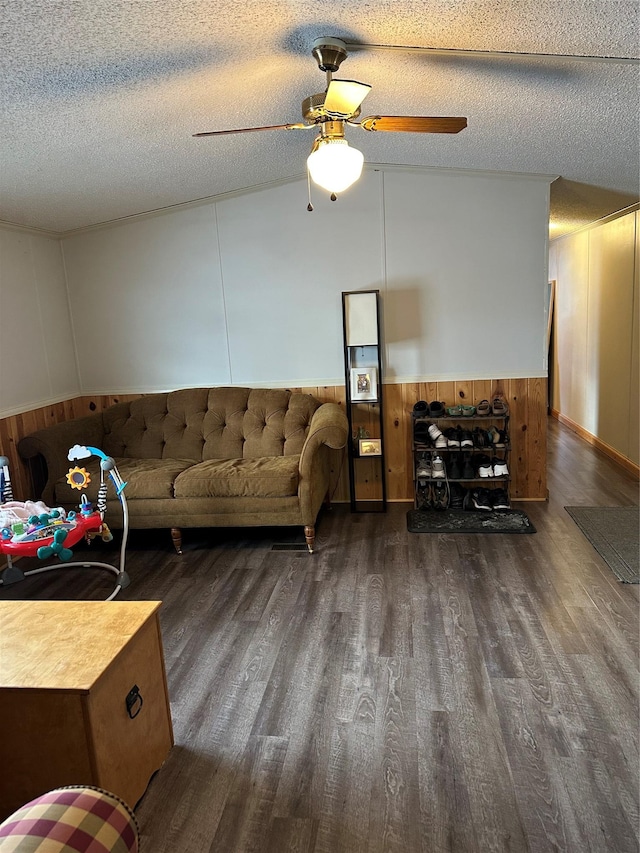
x=66, y=671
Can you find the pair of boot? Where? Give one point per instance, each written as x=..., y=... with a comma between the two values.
x=432, y=494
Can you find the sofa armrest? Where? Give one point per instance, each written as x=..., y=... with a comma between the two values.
x=329, y=429
x=328, y=426
x=53, y=444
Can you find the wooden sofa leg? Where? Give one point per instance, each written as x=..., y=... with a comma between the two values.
x=310, y=536
x=176, y=538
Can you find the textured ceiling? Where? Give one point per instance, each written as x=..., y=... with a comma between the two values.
x=99, y=98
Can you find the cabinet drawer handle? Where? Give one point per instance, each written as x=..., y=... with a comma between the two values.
x=134, y=702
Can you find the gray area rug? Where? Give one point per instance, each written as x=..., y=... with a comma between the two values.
x=461, y=521
x=613, y=532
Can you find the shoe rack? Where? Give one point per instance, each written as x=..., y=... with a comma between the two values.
x=363, y=379
x=467, y=449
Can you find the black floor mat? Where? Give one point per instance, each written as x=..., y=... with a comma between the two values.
x=476, y=521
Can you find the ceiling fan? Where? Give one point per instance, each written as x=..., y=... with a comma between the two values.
x=332, y=163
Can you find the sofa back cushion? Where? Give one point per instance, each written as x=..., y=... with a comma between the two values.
x=157, y=426
x=210, y=423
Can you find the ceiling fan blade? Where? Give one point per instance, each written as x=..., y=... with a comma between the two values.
x=500, y=54
x=252, y=129
x=345, y=96
x=415, y=124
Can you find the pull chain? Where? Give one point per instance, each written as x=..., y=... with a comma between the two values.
x=309, y=206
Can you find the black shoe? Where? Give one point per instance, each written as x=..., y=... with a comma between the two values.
x=421, y=433
x=457, y=495
x=452, y=436
x=453, y=469
x=480, y=498
x=440, y=494
x=466, y=440
x=500, y=499
x=468, y=471
x=480, y=438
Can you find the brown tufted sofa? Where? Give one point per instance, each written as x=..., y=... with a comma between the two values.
x=203, y=457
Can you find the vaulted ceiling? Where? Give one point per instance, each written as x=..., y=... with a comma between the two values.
x=99, y=98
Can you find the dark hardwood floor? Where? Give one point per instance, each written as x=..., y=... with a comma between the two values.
x=395, y=691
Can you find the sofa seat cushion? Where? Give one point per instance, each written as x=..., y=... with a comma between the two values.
x=266, y=477
x=145, y=478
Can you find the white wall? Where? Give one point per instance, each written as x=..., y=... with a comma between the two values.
x=147, y=304
x=37, y=359
x=284, y=270
x=466, y=259
x=246, y=289
x=595, y=376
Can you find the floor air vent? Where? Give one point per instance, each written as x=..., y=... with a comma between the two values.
x=290, y=546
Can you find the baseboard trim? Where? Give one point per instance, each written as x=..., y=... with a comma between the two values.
x=596, y=442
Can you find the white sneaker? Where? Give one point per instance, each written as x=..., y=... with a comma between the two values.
x=437, y=468
x=435, y=432
x=500, y=468
x=441, y=442
x=484, y=467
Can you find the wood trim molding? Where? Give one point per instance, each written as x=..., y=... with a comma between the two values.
x=596, y=442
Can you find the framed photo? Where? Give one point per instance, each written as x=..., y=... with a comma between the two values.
x=370, y=447
x=364, y=384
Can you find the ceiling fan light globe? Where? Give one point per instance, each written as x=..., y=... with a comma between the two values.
x=334, y=165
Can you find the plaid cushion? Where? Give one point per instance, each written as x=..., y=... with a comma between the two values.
x=71, y=820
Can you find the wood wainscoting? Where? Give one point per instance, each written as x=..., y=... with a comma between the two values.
x=527, y=399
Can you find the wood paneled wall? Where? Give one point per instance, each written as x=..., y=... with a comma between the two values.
x=527, y=400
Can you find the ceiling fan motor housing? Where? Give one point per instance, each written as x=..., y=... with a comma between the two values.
x=329, y=53
x=313, y=110
x=313, y=107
